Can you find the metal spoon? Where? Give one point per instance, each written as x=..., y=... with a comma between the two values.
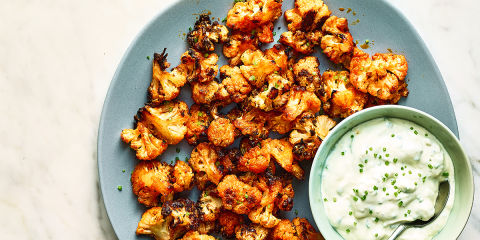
x=443, y=193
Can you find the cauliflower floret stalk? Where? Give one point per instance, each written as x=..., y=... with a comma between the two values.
x=238, y=44
x=256, y=67
x=307, y=73
x=171, y=221
x=234, y=83
x=200, y=67
x=382, y=76
x=337, y=42
x=297, y=229
x=204, y=161
x=164, y=85
x=141, y=140
x=339, y=97
x=228, y=222
x=209, y=205
x=206, y=33
x=238, y=196
x=308, y=133
x=166, y=121
x=255, y=17
x=300, y=101
x=151, y=182
x=251, y=232
x=271, y=96
x=195, y=235
x=197, y=124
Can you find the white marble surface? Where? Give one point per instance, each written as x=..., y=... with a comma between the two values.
x=57, y=60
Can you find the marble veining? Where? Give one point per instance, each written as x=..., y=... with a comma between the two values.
x=58, y=58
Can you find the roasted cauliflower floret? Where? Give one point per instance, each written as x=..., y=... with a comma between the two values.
x=307, y=73
x=204, y=93
x=307, y=15
x=284, y=200
x=256, y=67
x=255, y=160
x=279, y=54
x=153, y=223
x=197, y=124
x=151, y=181
x=298, y=229
x=300, y=101
x=339, y=97
x=382, y=76
x=282, y=152
x=206, y=33
x=194, y=235
x=238, y=44
x=233, y=81
x=167, y=121
x=200, y=67
x=221, y=132
x=271, y=97
x=308, y=133
x=277, y=123
x=209, y=206
x=228, y=222
x=182, y=176
x=204, y=162
x=141, y=140
x=251, y=232
x=182, y=216
x=302, y=42
x=238, y=196
x=164, y=85
x=337, y=42
x=253, y=122
x=255, y=16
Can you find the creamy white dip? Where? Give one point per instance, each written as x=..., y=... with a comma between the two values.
x=384, y=172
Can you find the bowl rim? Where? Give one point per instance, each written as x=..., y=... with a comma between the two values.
x=350, y=118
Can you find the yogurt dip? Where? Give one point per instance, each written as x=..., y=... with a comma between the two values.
x=384, y=172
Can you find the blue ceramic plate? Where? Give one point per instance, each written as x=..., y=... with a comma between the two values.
x=375, y=20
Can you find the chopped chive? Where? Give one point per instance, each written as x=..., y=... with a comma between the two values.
x=400, y=203
x=119, y=187
x=376, y=219
x=387, y=163
x=430, y=166
x=375, y=188
x=350, y=213
x=445, y=174
x=355, y=198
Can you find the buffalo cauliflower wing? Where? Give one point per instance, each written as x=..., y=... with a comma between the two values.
x=307, y=73
x=238, y=44
x=199, y=67
x=204, y=162
x=302, y=42
x=271, y=96
x=141, y=140
x=280, y=55
x=195, y=235
x=255, y=16
x=382, y=76
x=206, y=33
x=209, y=205
x=197, y=124
x=297, y=229
x=182, y=216
x=204, y=92
x=253, y=122
x=300, y=101
x=277, y=123
x=251, y=232
x=337, y=42
x=282, y=152
x=256, y=160
x=238, y=196
x=221, y=132
x=228, y=222
x=256, y=67
x=182, y=176
x=151, y=181
x=164, y=85
x=308, y=133
x=235, y=84
x=166, y=121
x=307, y=15
x=339, y=97
x=152, y=223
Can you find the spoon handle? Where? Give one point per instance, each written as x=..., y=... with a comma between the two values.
x=397, y=232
